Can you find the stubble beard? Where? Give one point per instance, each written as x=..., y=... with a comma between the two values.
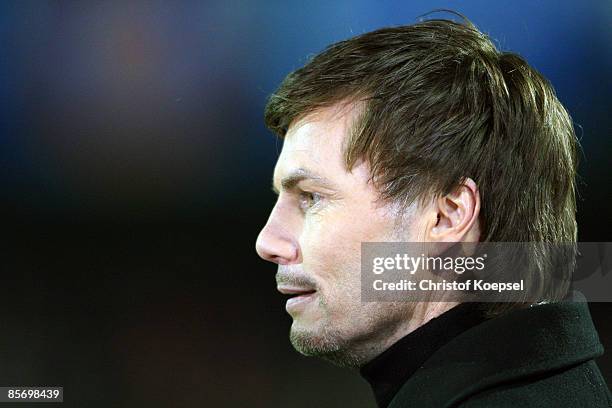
x=350, y=349
x=329, y=345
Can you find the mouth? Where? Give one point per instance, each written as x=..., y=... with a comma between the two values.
x=298, y=297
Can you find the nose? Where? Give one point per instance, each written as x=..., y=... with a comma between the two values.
x=276, y=244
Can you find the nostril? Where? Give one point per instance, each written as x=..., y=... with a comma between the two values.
x=279, y=260
x=276, y=244
x=263, y=252
x=279, y=251
x=266, y=250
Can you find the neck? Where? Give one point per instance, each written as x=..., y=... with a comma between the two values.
x=423, y=313
x=366, y=348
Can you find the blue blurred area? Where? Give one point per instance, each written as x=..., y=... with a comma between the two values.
x=154, y=109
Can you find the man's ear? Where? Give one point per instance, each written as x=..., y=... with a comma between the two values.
x=456, y=215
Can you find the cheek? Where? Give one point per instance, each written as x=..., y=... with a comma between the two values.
x=326, y=246
x=328, y=237
x=331, y=244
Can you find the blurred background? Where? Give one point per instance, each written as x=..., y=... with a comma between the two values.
x=136, y=175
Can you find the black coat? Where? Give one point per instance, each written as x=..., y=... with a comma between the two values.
x=536, y=357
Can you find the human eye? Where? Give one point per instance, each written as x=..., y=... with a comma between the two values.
x=308, y=200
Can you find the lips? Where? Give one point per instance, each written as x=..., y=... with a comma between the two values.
x=294, y=291
x=299, y=298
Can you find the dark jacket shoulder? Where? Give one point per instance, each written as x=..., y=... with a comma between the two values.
x=542, y=356
x=578, y=386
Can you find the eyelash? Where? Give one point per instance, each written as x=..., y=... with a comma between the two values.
x=306, y=195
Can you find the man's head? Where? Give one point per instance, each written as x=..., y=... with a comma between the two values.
x=418, y=133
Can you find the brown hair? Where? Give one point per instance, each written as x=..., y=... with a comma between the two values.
x=441, y=103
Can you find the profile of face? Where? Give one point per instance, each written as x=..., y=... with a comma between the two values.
x=314, y=233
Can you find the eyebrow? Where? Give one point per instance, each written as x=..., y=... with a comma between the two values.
x=290, y=181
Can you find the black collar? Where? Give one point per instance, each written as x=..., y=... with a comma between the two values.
x=388, y=372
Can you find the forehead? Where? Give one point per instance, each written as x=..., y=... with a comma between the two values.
x=316, y=142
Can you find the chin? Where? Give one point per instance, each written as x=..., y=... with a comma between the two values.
x=324, y=342
x=311, y=338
